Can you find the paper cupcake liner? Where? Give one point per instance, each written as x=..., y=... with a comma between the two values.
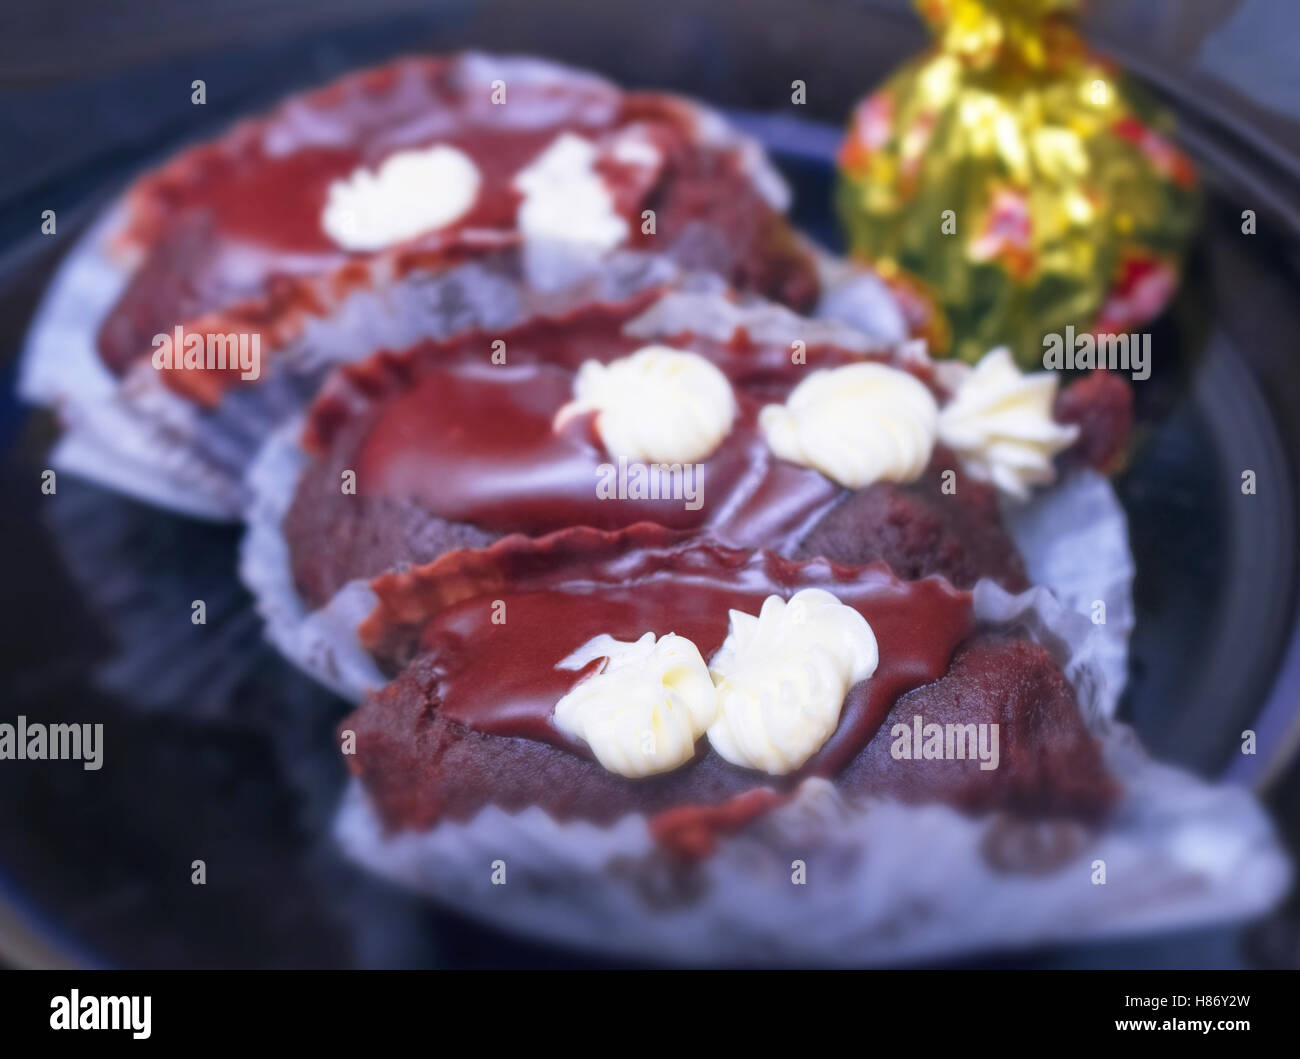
x=136, y=436
x=323, y=643
x=853, y=294
x=104, y=439
x=884, y=882
x=698, y=308
x=136, y=573
x=1074, y=540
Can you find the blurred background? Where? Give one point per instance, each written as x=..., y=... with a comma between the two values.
x=238, y=759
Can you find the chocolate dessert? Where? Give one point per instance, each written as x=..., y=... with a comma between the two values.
x=426, y=163
x=447, y=449
x=472, y=719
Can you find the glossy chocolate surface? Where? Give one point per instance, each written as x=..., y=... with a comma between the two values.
x=473, y=442
x=500, y=677
x=230, y=232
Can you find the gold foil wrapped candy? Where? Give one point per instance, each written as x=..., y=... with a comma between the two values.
x=1008, y=184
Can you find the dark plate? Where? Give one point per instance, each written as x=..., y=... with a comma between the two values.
x=218, y=750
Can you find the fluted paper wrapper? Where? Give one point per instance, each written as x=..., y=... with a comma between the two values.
x=105, y=439
x=883, y=882
x=323, y=643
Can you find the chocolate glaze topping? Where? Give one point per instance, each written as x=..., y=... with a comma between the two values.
x=231, y=234
x=560, y=591
x=473, y=442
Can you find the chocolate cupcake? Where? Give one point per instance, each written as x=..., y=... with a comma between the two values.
x=422, y=198
x=821, y=447
x=431, y=161
x=569, y=673
x=651, y=743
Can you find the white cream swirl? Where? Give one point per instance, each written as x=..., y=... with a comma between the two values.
x=643, y=711
x=411, y=192
x=999, y=423
x=658, y=405
x=565, y=199
x=858, y=424
x=782, y=675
